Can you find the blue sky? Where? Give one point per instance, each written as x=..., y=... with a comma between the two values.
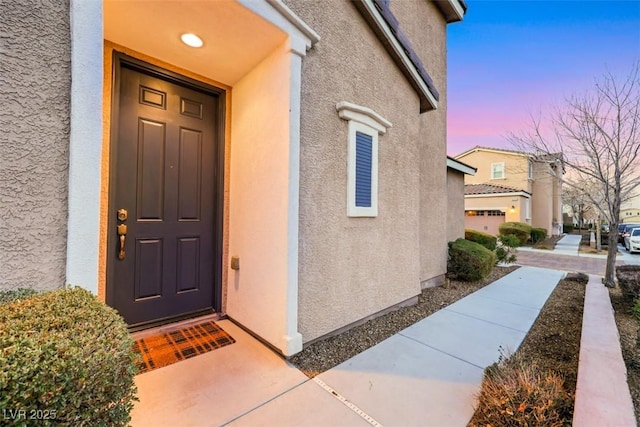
x=509, y=59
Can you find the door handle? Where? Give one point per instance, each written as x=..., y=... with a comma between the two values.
x=122, y=232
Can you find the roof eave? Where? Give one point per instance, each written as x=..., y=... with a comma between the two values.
x=380, y=19
x=452, y=10
x=460, y=167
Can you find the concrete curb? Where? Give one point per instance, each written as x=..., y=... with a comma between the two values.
x=602, y=393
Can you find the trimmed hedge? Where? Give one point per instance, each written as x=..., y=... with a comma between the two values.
x=519, y=229
x=469, y=261
x=629, y=280
x=68, y=356
x=538, y=235
x=567, y=228
x=485, y=239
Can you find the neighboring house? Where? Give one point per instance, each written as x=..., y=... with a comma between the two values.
x=630, y=215
x=512, y=186
x=290, y=173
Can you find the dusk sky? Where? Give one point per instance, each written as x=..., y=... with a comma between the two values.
x=510, y=59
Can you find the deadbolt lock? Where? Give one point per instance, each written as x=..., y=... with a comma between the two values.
x=122, y=214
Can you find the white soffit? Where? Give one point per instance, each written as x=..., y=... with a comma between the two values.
x=228, y=29
x=460, y=167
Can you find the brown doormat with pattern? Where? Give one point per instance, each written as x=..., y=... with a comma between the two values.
x=171, y=347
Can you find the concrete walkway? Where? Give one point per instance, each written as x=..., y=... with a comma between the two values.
x=602, y=394
x=428, y=374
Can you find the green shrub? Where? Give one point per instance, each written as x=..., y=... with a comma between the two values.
x=505, y=251
x=629, y=280
x=469, y=260
x=517, y=393
x=69, y=354
x=567, y=228
x=538, y=235
x=519, y=229
x=509, y=240
x=485, y=239
x=15, y=294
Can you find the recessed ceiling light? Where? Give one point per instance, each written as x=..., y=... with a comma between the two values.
x=191, y=39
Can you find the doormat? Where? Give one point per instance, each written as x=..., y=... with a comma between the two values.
x=171, y=347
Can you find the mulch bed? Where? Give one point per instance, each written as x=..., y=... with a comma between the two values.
x=628, y=328
x=554, y=339
x=553, y=342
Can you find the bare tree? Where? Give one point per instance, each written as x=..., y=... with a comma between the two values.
x=579, y=202
x=597, y=135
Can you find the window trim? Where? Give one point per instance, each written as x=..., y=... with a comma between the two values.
x=504, y=174
x=352, y=209
x=367, y=122
x=530, y=171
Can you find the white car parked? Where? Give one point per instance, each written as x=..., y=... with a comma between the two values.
x=632, y=240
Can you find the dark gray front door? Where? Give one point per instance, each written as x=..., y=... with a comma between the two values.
x=165, y=179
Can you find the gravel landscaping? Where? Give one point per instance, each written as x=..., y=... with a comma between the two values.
x=628, y=328
x=325, y=354
x=552, y=344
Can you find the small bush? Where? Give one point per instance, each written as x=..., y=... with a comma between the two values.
x=509, y=240
x=69, y=354
x=15, y=294
x=567, y=228
x=577, y=277
x=519, y=229
x=469, y=261
x=517, y=393
x=538, y=235
x=485, y=239
x=629, y=280
x=505, y=250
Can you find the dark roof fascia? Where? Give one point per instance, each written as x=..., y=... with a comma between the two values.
x=502, y=190
x=452, y=10
x=387, y=28
x=460, y=166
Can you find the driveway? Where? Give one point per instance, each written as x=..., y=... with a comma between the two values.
x=586, y=264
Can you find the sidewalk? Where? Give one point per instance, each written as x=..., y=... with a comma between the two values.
x=428, y=374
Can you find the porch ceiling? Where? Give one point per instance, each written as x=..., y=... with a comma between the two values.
x=235, y=39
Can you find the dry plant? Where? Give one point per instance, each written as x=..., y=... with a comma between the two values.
x=517, y=393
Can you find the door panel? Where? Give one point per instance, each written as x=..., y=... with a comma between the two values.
x=165, y=178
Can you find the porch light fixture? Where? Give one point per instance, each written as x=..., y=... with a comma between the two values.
x=513, y=209
x=191, y=39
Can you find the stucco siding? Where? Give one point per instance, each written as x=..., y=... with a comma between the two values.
x=516, y=169
x=542, y=214
x=455, y=205
x=35, y=82
x=351, y=268
x=425, y=27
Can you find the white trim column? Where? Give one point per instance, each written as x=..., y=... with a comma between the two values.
x=85, y=143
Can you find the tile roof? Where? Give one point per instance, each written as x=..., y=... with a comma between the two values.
x=471, y=189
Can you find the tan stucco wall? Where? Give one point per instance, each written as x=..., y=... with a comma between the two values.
x=516, y=169
x=630, y=215
x=351, y=268
x=35, y=85
x=259, y=197
x=455, y=205
x=424, y=26
x=543, y=205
